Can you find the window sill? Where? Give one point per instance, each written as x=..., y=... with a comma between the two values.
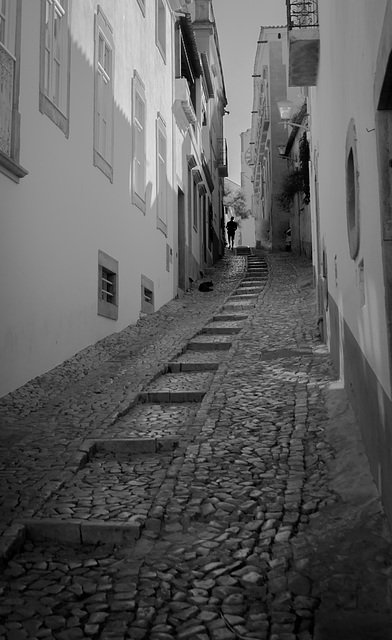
x=161, y=51
x=139, y=202
x=162, y=227
x=103, y=165
x=48, y=108
x=11, y=169
x=107, y=310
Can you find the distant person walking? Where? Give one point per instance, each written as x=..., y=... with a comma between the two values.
x=231, y=229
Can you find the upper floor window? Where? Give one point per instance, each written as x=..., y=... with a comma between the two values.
x=139, y=143
x=142, y=5
x=161, y=27
x=55, y=62
x=10, y=44
x=103, y=95
x=161, y=175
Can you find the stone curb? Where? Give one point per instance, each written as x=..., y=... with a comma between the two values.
x=158, y=397
x=177, y=367
x=209, y=346
x=80, y=531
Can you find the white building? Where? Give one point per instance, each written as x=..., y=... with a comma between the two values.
x=344, y=55
x=89, y=174
x=201, y=153
x=267, y=135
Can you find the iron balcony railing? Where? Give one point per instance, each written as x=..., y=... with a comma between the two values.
x=7, y=64
x=302, y=14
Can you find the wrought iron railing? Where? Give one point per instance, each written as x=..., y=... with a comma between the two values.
x=302, y=14
x=7, y=64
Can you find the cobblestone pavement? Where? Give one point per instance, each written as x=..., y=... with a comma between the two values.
x=197, y=476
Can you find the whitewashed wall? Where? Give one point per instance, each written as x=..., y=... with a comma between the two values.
x=54, y=222
x=350, y=36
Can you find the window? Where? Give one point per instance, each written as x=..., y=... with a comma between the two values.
x=103, y=95
x=352, y=191
x=161, y=176
x=55, y=62
x=139, y=143
x=147, y=292
x=161, y=27
x=10, y=41
x=107, y=286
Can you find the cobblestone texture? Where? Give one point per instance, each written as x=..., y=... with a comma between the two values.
x=252, y=514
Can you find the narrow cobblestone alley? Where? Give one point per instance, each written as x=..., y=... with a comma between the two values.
x=199, y=476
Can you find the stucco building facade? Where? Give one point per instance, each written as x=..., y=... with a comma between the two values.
x=267, y=134
x=90, y=171
x=350, y=121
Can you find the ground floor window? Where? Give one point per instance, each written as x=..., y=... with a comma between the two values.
x=107, y=286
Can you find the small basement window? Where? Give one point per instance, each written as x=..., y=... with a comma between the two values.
x=107, y=286
x=147, y=292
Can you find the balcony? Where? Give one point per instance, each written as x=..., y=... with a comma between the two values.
x=304, y=42
x=183, y=103
x=223, y=169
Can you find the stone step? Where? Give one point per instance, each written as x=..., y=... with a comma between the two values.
x=198, y=345
x=229, y=317
x=244, y=296
x=240, y=305
x=165, y=396
x=181, y=381
x=256, y=270
x=220, y=330
x=96, y=503
x=246, y=289
x=176, y=367
x=243, y=251
x=80, y=532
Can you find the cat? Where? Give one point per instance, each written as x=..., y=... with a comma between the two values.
x=206, y=286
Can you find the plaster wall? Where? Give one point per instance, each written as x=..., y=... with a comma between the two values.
x=57, y=218
x=349, y=41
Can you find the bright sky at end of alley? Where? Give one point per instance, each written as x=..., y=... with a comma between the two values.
x=238, y=23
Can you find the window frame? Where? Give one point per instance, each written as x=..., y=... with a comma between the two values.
x=352, y=191
x=142, y=5
x=147, y=301
x=108, y=264
x=11, y=49
x=161, y=167
x=139, y=155
x=160, y=27
x=59, y=114
x=103, y=159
